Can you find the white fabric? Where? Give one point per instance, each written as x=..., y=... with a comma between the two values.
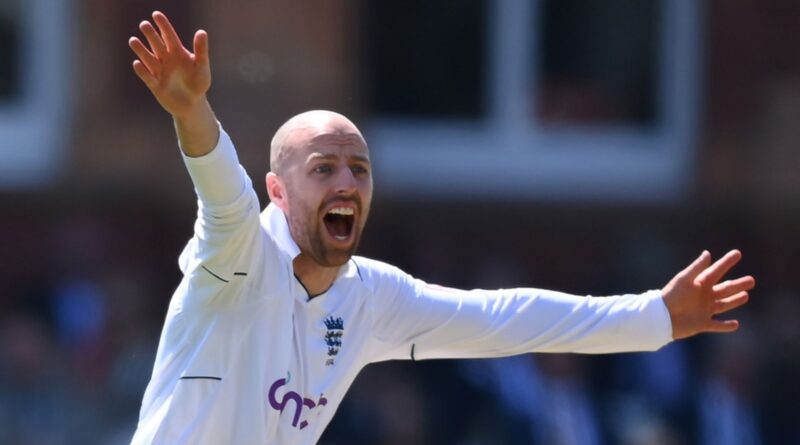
x=245, y=357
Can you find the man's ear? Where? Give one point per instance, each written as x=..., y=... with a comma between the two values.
x=277, y=191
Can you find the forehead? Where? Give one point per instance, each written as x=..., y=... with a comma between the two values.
x=327, y=140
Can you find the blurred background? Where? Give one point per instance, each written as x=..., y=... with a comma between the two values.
x=594, y=147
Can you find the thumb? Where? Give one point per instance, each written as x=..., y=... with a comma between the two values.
x=144, y=74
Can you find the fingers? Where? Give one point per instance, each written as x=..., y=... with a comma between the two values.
x=201, y=47
x=732, y=302
x=730, y=287
x=168, y=34
x=722, y=326
x=150, y=61
x=697, y=266
x=716, y=271
x=147, y=77
x=153, y=39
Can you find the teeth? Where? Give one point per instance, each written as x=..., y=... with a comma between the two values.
x=341, y=211
x=340, y=238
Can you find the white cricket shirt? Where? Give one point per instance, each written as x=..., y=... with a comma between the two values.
x=245, y=357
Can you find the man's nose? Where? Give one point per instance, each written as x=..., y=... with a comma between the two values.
x=345, y=182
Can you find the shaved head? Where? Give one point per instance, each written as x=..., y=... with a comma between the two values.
x=321, y=177
x=301, y=129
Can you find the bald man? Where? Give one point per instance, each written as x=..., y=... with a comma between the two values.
x=275, y=316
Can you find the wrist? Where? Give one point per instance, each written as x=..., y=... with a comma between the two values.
x=197, y=128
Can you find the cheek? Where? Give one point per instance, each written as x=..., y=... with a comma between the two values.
x=300, y=195
x=304, y=210
x=367, y=194
x=366, y=203
x=365, y=187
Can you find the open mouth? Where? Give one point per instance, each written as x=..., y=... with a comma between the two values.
x=339, y=222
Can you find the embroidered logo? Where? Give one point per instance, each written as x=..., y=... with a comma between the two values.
x=333, y=338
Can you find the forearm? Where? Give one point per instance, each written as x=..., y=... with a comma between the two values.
x=596, y=325
x=534, y=320
x=197, y=129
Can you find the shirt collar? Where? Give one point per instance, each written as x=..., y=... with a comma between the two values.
x=274, y=222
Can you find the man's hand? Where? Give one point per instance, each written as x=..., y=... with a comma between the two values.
x=179, y=80
x=695, y=295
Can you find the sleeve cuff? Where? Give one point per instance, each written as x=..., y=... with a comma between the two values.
x=217, y=176
x=223, y=142
x=660, y=315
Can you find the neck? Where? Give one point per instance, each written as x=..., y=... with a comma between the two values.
x=315, y=278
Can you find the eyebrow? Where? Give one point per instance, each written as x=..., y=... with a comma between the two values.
x=331, y=157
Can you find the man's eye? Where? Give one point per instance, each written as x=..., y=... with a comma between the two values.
x=323, y=169
x=358, y=170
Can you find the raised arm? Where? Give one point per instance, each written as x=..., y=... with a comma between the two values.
x=179, y=80
x=225, y=245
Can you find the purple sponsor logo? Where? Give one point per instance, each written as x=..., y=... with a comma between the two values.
x=299, y=402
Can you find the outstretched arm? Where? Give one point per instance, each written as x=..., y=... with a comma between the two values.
x=416, y=320
x=179, y=80
x=695, y=295
x=412, y=319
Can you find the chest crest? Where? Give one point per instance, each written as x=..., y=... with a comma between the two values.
x=333, y=337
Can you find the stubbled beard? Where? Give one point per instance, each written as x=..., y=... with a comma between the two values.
x=327, y=257
x=313, y=244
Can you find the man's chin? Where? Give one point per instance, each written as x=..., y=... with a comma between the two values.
x=337, y=257
x=337, y=253
x=334, y=262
